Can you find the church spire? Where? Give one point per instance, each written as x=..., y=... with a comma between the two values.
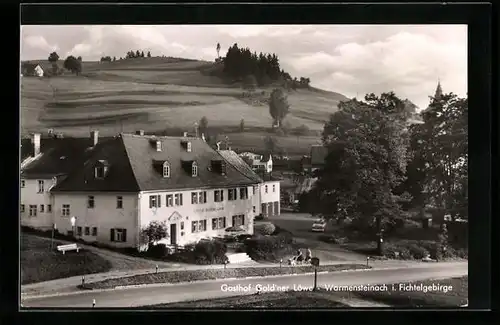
x=439, y=91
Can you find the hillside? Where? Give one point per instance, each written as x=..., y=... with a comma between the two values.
x=159, y=93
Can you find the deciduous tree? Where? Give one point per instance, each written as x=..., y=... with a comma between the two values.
x=278, y=106
x=72, y=64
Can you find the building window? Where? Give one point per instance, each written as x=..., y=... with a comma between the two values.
x=198, y=226
x=40, y=186
x=42, y=208
x=253, y=209
x=182, y=225
x=202, y=197
x=90, y=202
x=274, y=188
x=194, y=198
x=119, y=202
x=232, y=194
x=154, y=201
x=94, y=231
x=244, y=193
x=170, y=200
x=118, y=235
x=87, y=231
x=66, y=210
x=49, y=207
x=194, y=169
x=265, y=188
x=22, y=208
x=79, y=231
x=166, y=169
x=178, y=199
x=158, y=145
x=99, y=172
x=219, y=195
x=238, y=220
x=218, y=223
x=32, y=210
x=23, y=183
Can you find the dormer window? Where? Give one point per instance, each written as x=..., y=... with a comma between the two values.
x=166, y=169
x=99, y=172
x=188, y=147
x=158, y=145
x=101, y=169
x=194, y=169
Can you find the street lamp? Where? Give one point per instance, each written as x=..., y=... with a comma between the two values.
x=54, y=227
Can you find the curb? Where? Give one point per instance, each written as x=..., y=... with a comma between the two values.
x=153, y=285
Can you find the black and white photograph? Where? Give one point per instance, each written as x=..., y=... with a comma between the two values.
x=243, y=166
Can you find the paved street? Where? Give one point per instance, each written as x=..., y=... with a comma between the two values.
x=300, y=225
x=149, y=295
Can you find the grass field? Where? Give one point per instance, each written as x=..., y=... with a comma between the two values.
x=265, y=301
x=158, y=93
x=39, y=263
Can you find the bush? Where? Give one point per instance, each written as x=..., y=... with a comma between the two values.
x=269, y=248
x=158, y=251
x=210, y=252
x=417, y=251
x=266, y=229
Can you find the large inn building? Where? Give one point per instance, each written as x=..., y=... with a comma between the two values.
x=114, y=187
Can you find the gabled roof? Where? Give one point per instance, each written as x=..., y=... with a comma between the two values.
x=58, y=156
x=266, y=157
x=237, y=162
x=119, y=177
x=133, y=166
x=318, y=155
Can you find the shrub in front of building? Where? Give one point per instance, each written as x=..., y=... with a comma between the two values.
x=265, y=229
x=210, y=252
x=269, y=248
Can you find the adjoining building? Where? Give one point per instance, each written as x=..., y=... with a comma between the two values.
x=116, y=187
x=259, y=163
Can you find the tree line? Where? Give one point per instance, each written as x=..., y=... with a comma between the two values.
x=240, y=63
x=71, y=63
x=379, y=166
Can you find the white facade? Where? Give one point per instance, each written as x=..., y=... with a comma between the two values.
x=36, y=203
x=38, y=71
x=270, y=198
x=96, y=215
x=257, y=163
x=183, y=219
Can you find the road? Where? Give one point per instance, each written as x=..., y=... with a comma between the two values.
x=150, y=295
x=300, y=225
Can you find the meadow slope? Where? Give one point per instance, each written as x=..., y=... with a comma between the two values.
x=155, y=94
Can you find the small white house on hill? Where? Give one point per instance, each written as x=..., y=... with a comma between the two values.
x=32, y=69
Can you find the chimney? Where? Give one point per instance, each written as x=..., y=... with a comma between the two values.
x=94, y=135
x=218, y=145
x=203, y=137
x=185, y=134
x=196, y=130
x=158, y=145
x=139, y=132
x=35, y=140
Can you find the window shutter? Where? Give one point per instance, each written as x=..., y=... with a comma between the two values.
x=234, y=221
x=159, y=201
x=214, y=223
x=221, y=195
x=112, y=235
x=150, y=202
x=180, y=198
x=204, y=197
x=224, y=222
x=124, y=235
x=242, y=219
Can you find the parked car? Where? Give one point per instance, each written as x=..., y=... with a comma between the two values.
x=319, y=225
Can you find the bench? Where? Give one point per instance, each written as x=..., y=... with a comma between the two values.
x=69, y=247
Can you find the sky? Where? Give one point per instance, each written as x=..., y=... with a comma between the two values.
x=349, y=59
